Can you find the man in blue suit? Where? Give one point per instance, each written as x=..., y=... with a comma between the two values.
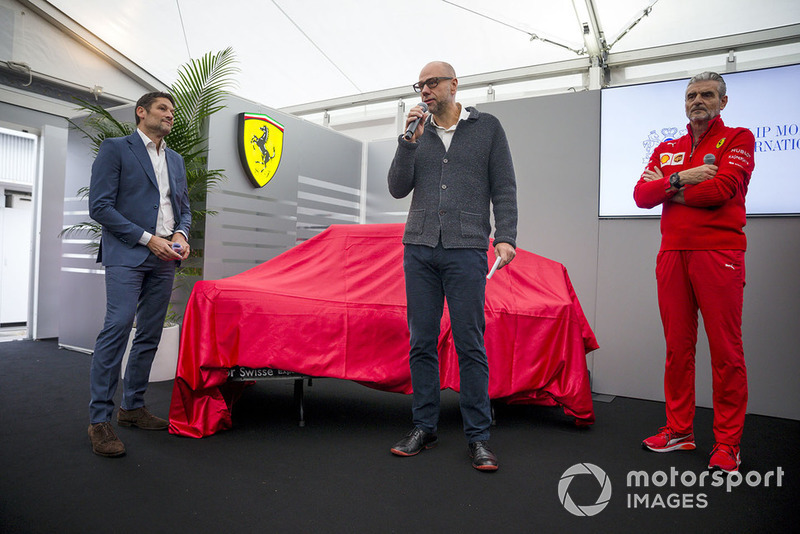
x=138, y=194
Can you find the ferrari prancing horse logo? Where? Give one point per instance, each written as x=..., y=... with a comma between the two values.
x=260, y=146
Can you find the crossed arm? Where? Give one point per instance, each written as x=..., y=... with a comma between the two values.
x=692, y=176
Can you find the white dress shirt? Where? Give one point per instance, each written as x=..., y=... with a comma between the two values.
x=446, y=134
x=165, y=224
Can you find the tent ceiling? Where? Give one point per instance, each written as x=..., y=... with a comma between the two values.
x=297, y=51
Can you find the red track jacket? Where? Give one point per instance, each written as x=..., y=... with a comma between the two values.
x=714, y=215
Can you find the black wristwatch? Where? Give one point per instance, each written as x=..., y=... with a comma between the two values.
x=675, y=180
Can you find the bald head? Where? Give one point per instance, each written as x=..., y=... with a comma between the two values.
x=441, y=66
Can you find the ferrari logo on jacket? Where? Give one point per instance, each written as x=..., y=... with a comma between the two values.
x=260, y=146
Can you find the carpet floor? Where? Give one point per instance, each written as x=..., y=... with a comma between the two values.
x=336, y=474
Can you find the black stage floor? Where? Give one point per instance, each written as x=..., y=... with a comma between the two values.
x=336, y=474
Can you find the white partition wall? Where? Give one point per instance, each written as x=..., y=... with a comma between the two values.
x=555, y=146
x=317, y=183
x=82, y=280
x=382, y=208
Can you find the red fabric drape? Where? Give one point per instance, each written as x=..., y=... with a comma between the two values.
x=334, y=306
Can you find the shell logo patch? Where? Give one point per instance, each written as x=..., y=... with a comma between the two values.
x=260, y=146
x=671, y=159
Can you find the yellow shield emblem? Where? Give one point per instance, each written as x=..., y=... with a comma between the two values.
x=260, y=146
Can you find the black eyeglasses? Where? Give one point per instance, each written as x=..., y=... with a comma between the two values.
x=430, y=82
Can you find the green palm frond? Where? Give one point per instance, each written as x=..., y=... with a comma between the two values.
x=202, y=86
x=83, y=192
x=84, y=229
x=100, y=124
x=200, y=180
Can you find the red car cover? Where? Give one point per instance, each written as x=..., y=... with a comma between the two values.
x=334, y=306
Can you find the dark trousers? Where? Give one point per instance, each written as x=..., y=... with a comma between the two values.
x=433, y=274
x=142, y=292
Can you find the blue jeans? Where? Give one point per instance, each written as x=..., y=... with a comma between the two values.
x=142, y=292
x=433, y=274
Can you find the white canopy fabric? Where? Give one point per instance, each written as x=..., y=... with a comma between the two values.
x=298, y=51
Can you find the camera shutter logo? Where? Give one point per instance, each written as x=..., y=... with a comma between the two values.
x=602, y=499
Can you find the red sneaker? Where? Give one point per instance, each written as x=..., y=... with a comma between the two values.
x=725, y=457
x=668, y=440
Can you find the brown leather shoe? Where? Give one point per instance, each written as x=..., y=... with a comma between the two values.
x=104, y=441
x=142, y=418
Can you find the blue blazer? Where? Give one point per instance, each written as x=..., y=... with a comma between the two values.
x=124, y=198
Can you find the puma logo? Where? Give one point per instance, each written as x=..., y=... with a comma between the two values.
x=730, y=265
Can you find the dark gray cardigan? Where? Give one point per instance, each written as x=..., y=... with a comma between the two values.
x=453, y=190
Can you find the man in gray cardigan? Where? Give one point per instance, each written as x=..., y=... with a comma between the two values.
x=457, y=163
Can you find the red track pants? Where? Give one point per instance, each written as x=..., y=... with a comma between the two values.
x=713, y=281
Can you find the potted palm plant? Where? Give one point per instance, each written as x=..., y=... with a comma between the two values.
x=199, y=92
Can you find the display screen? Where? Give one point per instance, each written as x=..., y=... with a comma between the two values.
x=635, y=119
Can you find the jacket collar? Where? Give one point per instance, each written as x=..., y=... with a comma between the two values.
x=473, y=115
x=714, y=125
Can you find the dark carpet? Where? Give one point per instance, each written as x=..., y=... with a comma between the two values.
x=336, y=474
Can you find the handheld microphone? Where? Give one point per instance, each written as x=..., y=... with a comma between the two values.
x=709, y=159
x=494, y=268
x=413, y=126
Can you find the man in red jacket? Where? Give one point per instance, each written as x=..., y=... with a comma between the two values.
x=701, y=181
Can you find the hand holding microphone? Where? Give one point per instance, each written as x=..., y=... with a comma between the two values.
x=412, y=127
x=502, y=250
x=180, y=249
